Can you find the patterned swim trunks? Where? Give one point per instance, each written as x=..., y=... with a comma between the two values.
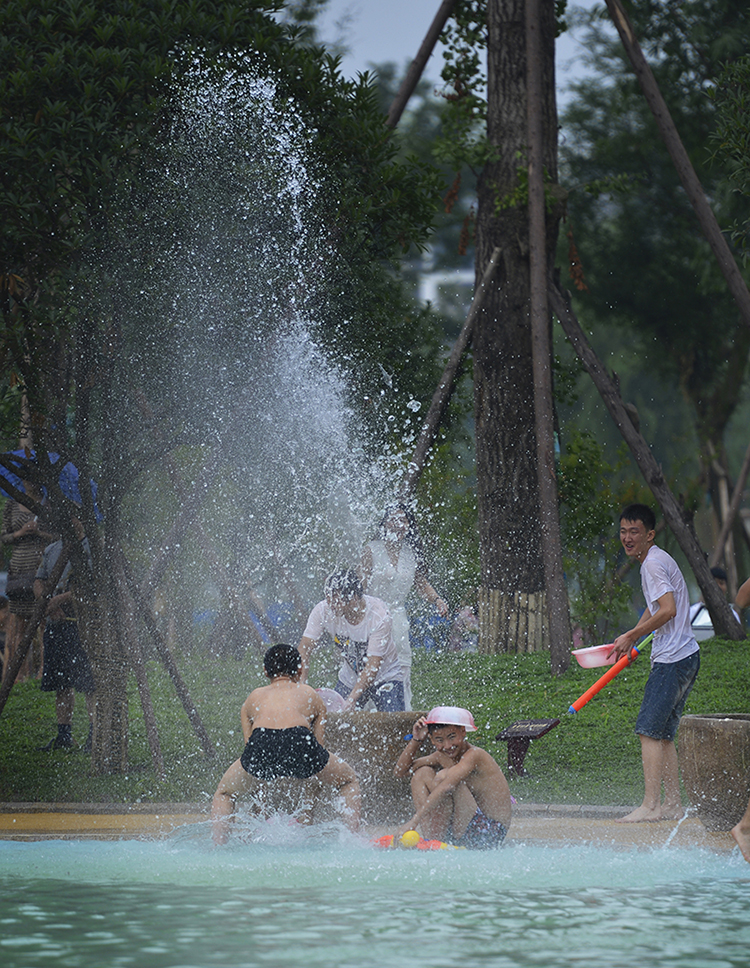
x=482, y=833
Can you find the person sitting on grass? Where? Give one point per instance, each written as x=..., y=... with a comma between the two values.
x=283, y=727
x=460, y=793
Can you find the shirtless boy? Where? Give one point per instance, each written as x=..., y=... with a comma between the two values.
x=460, y=794
x=283, y=725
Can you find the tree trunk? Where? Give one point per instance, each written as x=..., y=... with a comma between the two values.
x=541, y=341
x=512, y=607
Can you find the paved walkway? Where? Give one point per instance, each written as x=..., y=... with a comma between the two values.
x=552, y=825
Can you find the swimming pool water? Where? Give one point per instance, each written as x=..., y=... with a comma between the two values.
x=327, y=899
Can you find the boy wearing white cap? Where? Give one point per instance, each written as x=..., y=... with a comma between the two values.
x=460, y=793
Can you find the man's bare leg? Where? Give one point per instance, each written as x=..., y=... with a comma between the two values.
x=741, y=833
x=672, y=808
x=235, y=781
x=656, y=758
x=340, y=775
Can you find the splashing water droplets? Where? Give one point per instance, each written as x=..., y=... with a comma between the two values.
x=219, y=257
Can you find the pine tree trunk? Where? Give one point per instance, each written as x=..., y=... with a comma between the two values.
x=513, y=612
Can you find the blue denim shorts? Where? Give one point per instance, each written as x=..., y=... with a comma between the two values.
x=667, y=689
x=388, y=697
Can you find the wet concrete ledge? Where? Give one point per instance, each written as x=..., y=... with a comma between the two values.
x=519, y=809
x=552, y=825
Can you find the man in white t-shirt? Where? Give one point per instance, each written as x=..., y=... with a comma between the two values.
x=362, y=631
x=675, y=661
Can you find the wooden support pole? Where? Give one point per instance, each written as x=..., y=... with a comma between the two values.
x=734, y=506
x=681, y=160
x=168, y=661
x=129, y=632
x=191, y=504
x=554, y=575
x=722, y=618
x=416, y=67
x=442, y=395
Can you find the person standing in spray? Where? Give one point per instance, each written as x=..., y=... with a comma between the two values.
x=675, y=661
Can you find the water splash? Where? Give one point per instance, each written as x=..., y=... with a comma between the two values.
x=218, y=271
x=688, y=812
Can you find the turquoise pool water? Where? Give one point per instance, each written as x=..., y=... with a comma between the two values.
x=287, y=897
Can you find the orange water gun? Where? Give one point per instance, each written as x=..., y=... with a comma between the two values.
x=615, y=670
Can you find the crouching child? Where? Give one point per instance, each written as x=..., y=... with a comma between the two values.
x=283, y=726
x=460, y=794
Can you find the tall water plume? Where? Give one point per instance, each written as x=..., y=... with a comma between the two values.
x=212, y=283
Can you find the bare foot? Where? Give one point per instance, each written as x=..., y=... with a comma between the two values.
x=641, y=815
x=743, y=840
x=672, y=813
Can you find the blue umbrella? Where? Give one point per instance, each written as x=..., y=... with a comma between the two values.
x=68, y=479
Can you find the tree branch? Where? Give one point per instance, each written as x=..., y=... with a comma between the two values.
x=724, y=622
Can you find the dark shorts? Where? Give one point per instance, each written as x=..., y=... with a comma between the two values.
x=667, y=689
x=66, y=665
x=388, y=697
x=483, y=833
x=272, y=753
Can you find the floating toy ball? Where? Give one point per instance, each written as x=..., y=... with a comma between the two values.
x=410, y=839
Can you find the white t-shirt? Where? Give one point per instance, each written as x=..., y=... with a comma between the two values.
x=659, y=575
x=372, y=637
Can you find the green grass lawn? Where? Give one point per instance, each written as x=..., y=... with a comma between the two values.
x=592, y=757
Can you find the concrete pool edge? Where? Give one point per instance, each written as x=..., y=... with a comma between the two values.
x=549, y=824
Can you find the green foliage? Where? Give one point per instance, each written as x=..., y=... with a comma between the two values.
x=590, y=506
x=519, y=197
x=85, y=89
x=463, y=142
x=732, y=136
x=448, y=505
x=623, y=184
x=654, y=288
x=592, y=757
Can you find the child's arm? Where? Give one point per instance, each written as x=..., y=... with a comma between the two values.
x=318, y=721
x=246, y=717
x=305, y=648
x=364, y=679
x=405, y=762
x=447, y=781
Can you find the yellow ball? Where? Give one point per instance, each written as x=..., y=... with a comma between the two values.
x=410, y=838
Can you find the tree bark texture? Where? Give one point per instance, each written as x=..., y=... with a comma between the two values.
x=560, y=636
x=507, y=489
